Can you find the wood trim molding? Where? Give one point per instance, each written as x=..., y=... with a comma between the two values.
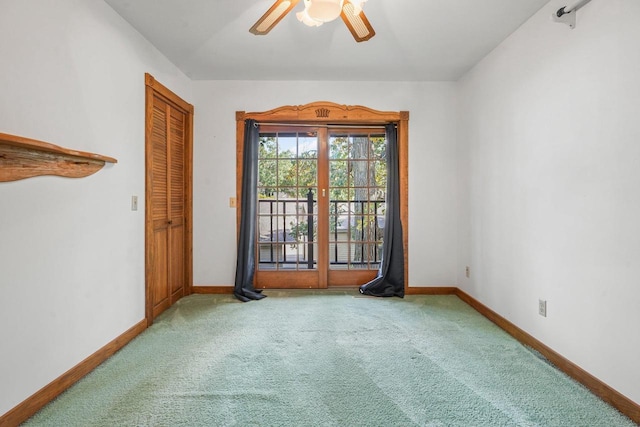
x=22, y=158
x=188, y=208
x=441, y=290
x=325, y=112
x=165, y=92
x=148, y=224
x=37, y=401
x=213, y=290
x=240, y=118
x=597, y=387
x=403, y=166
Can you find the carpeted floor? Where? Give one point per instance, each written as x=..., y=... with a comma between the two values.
x=334, y=358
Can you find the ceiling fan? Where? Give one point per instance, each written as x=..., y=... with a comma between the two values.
x=317, y=12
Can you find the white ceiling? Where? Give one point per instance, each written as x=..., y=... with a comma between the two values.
x=423, y=40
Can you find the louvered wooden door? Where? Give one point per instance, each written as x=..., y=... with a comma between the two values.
x=168, y=237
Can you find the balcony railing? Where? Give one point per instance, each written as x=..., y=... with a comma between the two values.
x=355, y=226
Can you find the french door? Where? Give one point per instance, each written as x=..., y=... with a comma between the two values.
x=321, y=205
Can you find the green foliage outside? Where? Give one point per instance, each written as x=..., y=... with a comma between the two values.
x=357, y=172
x=289, y=174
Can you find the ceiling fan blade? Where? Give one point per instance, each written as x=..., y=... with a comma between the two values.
x=275, y=13
x=358, y=24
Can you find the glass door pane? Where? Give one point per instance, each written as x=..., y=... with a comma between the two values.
x=287, y=201
x=357, y=186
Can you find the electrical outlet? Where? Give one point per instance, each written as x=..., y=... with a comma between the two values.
x=467, y=271
x=134, y=203
x=542, y=307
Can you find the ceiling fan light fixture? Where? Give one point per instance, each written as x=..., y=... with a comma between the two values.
x=307, y=20
x=323, y=10
x=317, y=12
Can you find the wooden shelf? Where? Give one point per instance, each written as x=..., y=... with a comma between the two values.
x=22, y=158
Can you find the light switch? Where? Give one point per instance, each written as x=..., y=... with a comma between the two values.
x=134, y=203
x=232, y=202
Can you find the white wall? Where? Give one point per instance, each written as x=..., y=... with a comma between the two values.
x=432, y=174
x=549, y=184
x=71, y=250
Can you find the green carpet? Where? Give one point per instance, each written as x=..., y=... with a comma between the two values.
x=332, y=358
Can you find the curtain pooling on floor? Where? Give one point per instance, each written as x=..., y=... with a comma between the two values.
x=244, y=289
x=390, y=279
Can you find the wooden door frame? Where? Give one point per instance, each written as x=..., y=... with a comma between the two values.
x=325, y=113
x=155, y=88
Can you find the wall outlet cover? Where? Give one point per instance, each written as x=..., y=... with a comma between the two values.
x=542, y=307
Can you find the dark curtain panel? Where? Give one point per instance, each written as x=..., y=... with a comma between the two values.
x=390, y=279
x=245, y=268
